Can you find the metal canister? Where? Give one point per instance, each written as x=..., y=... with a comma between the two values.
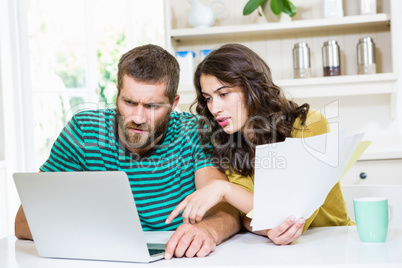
x=366, y=63
x=331, y=58
x=301, y=60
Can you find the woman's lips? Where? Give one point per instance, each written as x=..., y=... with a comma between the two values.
x=223, y=121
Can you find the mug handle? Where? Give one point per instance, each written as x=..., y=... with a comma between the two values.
x=222, y=9
x=390, y=213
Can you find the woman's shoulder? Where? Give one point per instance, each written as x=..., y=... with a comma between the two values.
x=316, y=124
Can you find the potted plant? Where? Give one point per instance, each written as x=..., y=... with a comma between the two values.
x=273, y=10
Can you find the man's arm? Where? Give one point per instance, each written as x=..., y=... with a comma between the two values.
x=22, y=230
x=21, y=227
x=219, y=223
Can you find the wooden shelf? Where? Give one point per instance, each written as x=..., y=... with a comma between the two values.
x=334, y=86
x=288, y=27
x=324, y=87
x=347, y=85
x=389, y=148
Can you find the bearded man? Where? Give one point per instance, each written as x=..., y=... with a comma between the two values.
x=156, y=146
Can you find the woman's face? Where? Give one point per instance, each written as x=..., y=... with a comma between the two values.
x=225, y=103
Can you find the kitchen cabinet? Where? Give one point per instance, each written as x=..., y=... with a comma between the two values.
x=376, y=172
x=358, y=103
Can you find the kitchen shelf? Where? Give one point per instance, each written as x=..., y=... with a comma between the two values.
x=337, y=86
x=283, y=28
x=343, y=85
x=346, y=85
x=383, y=149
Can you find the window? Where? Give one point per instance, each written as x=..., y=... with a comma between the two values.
x=74, y=48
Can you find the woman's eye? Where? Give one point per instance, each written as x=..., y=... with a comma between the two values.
x=208, y=99
x=223, y=94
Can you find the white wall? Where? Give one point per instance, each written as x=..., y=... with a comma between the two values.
x=12, y=107
x=2, y=148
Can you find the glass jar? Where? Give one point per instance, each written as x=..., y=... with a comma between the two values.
x=301, y=60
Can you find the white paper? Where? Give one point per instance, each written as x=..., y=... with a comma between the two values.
x=294, y=177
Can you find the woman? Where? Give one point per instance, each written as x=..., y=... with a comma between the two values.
x=241, y=107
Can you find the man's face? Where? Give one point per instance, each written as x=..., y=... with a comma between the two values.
x=143, y=113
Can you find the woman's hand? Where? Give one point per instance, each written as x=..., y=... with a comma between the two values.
x=198, y=203
x=287, y=232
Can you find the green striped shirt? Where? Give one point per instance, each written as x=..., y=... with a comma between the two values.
x=159, y=179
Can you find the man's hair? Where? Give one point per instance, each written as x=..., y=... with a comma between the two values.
x=150, y=64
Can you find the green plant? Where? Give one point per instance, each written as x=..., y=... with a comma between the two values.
x=108, y=54
x=277, y=6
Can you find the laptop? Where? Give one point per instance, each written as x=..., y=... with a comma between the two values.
x=85, y=215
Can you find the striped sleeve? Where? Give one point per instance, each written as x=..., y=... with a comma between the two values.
x=67, y=153
x=201, y=158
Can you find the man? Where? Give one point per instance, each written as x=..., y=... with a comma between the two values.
x=157, y=147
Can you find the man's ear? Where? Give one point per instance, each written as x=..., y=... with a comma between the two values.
x=175, y=101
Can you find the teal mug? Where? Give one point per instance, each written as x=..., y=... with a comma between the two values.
x=371, y=215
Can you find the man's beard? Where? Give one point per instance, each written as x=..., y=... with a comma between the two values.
x=148, y=137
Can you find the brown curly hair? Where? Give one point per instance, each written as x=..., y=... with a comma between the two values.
x=270, y=113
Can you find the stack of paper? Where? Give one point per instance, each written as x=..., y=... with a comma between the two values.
x=294, y=177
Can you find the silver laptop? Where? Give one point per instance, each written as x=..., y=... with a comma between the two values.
x=84, y=215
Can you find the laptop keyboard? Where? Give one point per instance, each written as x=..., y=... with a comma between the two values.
x=154, y=251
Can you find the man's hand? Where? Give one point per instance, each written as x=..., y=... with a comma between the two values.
x=189, y=241
x=219, y=223
x=286, y=233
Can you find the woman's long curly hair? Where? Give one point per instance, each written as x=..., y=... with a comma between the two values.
x=269, y=112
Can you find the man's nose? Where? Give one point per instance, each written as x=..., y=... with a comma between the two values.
x=140, y=115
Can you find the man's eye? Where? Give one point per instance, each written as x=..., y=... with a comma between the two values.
x=152, y=106
x=128, y=102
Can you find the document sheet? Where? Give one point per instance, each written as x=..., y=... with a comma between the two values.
x=294, y=177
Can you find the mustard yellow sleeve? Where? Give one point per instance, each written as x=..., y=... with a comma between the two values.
x=316, y=124
x=247, y=182
x=333, y=212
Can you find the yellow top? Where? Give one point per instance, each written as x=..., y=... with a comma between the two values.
x=333, y=212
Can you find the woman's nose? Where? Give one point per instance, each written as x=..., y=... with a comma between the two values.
x=216, y=107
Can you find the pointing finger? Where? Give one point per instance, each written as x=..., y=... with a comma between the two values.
x=180, y=207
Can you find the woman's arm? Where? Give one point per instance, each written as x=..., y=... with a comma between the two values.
x=208, y=195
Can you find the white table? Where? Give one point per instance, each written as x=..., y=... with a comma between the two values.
x=318, y=247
